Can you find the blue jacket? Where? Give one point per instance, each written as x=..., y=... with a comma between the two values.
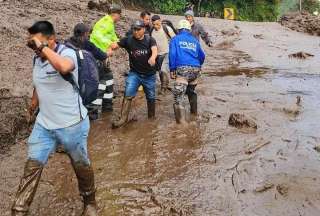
x=185, y=50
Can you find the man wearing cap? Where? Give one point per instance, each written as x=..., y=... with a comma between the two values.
x=145, y=16
x=80, y=40
x=162, y=34
x=197, y=29
x=142, y=50
x=185, y=60
x=104, y=37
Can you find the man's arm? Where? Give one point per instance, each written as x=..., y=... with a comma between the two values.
x=64, y=65
x=204, y=35
x=33, y=106
x=152, y=59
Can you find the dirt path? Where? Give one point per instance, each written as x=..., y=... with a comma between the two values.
x=208, y=167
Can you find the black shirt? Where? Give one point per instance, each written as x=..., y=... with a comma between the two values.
x=139, y=53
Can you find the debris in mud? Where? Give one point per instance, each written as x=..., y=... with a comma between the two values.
x=100, y=6
x=13, y=123
x=317, y=148
x=302, y=22
x=240, y=121
x=282, y=189
x=298, y=101
x=300, y=55
x=264, y=188
x=230, y=32
x=256, y=148
x=291, y=111
x=225, y=45
x=258, y=36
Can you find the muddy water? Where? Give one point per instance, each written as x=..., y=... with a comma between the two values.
x=204, y=168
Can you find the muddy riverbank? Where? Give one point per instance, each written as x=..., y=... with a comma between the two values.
x=207, y=167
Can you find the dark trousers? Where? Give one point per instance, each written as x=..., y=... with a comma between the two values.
x=103, y=103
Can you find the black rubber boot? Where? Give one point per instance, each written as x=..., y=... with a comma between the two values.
x=27, y=188
x=179, y=113
x=164, y=79
x=193, y=99
x=123, y=120
x=151, y=109
x=87, y=189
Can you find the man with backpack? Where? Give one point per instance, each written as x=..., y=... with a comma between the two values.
x=197, y=29
x=62, y=119
x=185, y=60
x=142, y=50
x=104, y=37
x=80, y=40
x=162, y=32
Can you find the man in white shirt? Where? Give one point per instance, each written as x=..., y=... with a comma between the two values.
x=162, y=33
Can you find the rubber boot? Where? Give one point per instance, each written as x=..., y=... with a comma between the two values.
x=27, y=188
x=87, y=189
x=179, y=113
x=164, y=79
x=125, y=110
x=193, y=100
x=151, y=109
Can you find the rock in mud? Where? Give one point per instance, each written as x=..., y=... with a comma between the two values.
x=317, y=148
x=283, y=189
x=264, y=188
x=240, y=121
x=300, y=55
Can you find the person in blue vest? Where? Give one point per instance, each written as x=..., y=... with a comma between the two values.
x=185, y=60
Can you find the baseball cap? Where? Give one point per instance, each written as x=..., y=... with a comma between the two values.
x=115, y=8
x=189, y=13
x=184, y=24
x=138, y=24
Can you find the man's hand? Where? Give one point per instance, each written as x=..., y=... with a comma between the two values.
x=30, y=116
x=34, y=43
x=152, y=61
x=114, y=46
x=173, y=75
x=109, y=53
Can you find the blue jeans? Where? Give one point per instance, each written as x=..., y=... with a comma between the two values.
x=42, y=142
x=134, y=80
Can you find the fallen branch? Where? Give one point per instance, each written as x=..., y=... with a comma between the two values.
x=256, y=148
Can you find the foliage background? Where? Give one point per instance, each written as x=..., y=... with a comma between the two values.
x=246, y=10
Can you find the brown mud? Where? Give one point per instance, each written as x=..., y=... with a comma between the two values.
x=206, y=167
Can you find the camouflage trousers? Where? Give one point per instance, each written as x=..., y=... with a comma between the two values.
x=185, y=83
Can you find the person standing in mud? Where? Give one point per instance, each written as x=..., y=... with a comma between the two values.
x=162, y=34
x=104, y=37
x=80, y=40
x=185, y=60
x=62, y=119
x=142, y=50
x=197, y=29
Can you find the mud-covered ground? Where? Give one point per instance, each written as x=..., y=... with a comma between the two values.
x=207, y=167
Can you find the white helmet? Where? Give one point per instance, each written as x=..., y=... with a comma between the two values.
x=184, y=24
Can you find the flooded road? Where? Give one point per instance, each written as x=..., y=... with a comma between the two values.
x=207, y=167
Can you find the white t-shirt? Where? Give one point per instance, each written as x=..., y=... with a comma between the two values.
x=60, y=104
x=162, y=39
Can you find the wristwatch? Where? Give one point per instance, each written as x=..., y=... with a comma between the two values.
x=43, y=45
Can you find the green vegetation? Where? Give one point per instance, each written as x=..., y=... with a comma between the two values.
x=246, y=10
